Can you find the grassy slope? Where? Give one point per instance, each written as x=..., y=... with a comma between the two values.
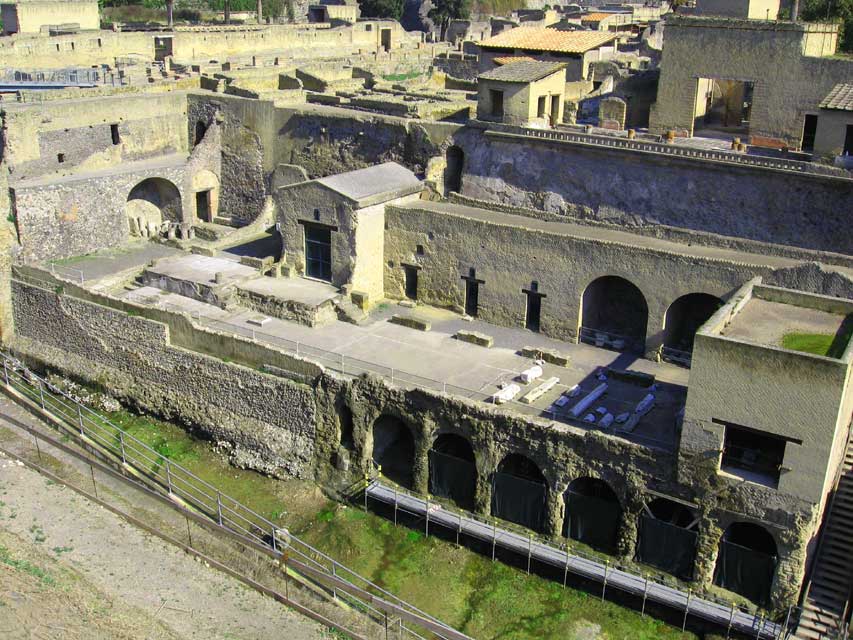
x=484, y=599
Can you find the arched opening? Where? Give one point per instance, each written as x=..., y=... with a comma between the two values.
x=667, y=537
x=593, y=514
x=455, y=158
x=452, y=470
x=746, y=562
x=614, y=314
x=345, y=428
x=200, y=130
x=682, y=321
x=150, y=203
x=394, y=450
x=519, y=492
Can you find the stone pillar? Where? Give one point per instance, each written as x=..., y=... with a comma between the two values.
x=654, y=330
x=420, y=469
x=555, y=513
x=707, y=548
x=626, y=538
x=483, y=493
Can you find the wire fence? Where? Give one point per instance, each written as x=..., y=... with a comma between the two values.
x=181, y=484
x=572, y=559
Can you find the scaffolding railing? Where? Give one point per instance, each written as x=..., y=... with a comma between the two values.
x=323, y=571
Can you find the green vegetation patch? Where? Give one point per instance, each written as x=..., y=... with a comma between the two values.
x=399, y=77
x=816, y=343
x=26, y=567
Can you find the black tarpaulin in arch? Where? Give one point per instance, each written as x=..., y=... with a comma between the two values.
x=667, y=546
x=592, y=520
x=453, y=478
x=519, y=500
x=744, y=571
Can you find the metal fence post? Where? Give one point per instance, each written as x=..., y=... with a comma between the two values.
x=121, y=446
x=459, y=529
x=6, y=372
x=41, y=394
x=760, y=625
x=219, y=506
x=731, y=619
x=645, y=595
x=395, y=506
x=604, y=585
x=427, y=517
x=566, y=568
x=529, y=550
x=686, y=610
x=784, y=631
x=80, y=417
x=334, y=587
x=169, y=476
x=494, y=537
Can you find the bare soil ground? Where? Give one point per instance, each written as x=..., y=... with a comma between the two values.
x=71, y=569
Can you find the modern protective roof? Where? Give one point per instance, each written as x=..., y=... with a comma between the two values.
x=379, y=183
x=840, y=98
x=544, y=39
x=524, y=71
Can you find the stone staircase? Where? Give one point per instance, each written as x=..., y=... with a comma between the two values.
x=826, y=602
x=348, y=312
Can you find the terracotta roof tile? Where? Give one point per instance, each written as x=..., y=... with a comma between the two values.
x=526, y=71
x=595, y=17
x=510, y=59
x=543, y=39
x=840, y=98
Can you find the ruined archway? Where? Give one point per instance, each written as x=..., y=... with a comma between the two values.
x=455, y=162
x=614, y=314
x=519, y=492
x=667, y=535
x=452, y=470
x=152, y=202
x=394, y=450
x=746, y=562
x=593, y=514
x=683, y=319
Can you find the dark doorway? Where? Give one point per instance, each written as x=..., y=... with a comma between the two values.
x=684, y=317
x=555, y=110
x=472, y=293
x=202, y=206
x=746, y=562
x=593, y=514
x=809, y=130
x=345, y=423
x=411, y=273
x=614, y=314
x=394, y=450
x=162, y=48
x=452, y=470
x=534, y=307
x=455, y=158
x=667, y=537
x=200, y=130
x=386, y=39
x=114, y=134
x=848, y=141
x=519, y=492
x=318, y=252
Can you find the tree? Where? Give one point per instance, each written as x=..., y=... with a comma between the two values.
x=832, y=11
x=382, y=9
x=443, y=11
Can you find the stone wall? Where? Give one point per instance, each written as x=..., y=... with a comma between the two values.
x=148, y=125
x=267, y=421
x=788, y=81
x=629, y=188
x=77, y=49
x=510, y=252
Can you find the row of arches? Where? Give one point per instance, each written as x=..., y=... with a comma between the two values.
x=667, y=531
x=615, y=307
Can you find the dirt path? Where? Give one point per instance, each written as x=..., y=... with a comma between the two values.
x=71, y=569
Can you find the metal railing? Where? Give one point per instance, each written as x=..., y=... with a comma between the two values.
x=228, y=513
x=713, y=155
x=506, y=534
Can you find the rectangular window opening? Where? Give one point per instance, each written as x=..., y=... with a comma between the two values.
x=114, y=134
x=753, y=455
x=497, y=99
x=540, y=107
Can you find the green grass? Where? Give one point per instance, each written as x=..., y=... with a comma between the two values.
x=26, y=567
x=399, y=77
x=820, y=344
x=467, y=590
